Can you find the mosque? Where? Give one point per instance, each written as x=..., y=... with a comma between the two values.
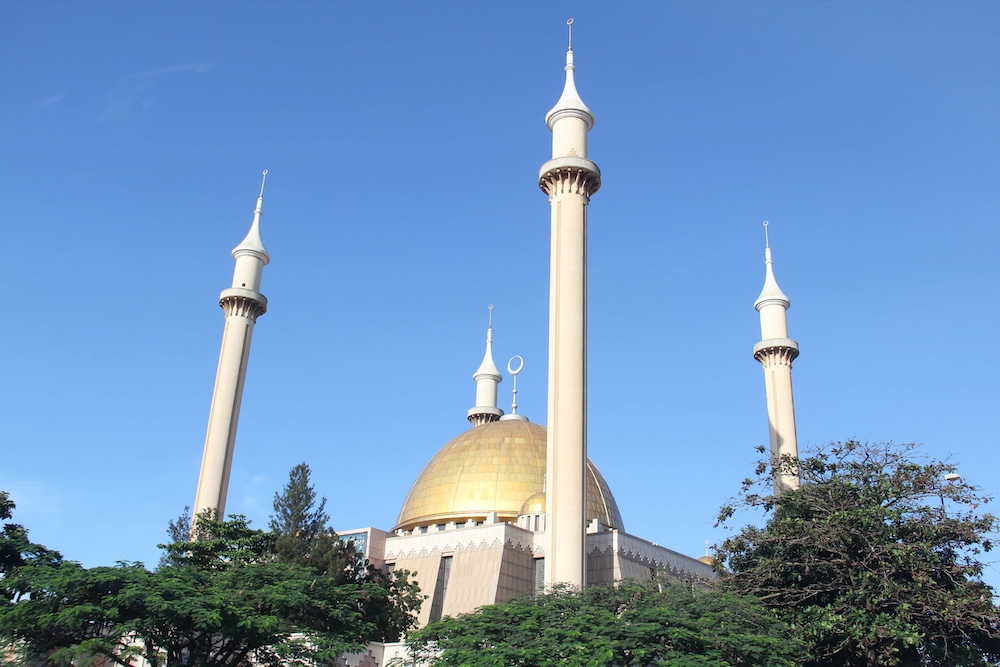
x=509, y=507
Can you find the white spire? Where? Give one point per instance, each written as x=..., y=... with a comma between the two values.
x=771, y=294
x=253, y=244
x=488, y=369
x=487, y=377
x=570, y=104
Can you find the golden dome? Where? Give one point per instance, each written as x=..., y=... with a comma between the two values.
x=534, y=505
x=494, y=467
x=707, y=560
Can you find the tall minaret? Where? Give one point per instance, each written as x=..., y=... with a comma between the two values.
x=243, y=304
x=775, y=352
x=487, y=378
x=569, y=179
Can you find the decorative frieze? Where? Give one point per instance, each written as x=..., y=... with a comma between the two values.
x=465, y=539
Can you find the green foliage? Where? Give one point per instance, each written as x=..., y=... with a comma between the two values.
x=302, y=536
x=178, y=530
x=629, y=624
x=13, y=537
x=228, y=600
x=873, y=561
x=222, y=599
x=15, y=548
x=300, y=524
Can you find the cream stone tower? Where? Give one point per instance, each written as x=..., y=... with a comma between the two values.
x=243, y=304
x=776, y=352
x=487, y=378
x=569, y=179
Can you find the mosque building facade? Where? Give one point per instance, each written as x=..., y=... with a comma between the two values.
x=474, y=524
x=508, y=507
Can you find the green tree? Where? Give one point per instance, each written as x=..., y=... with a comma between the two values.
x=227, y=601
x=303, y=536
x=874, y=560
x=13, y=537
x=302, y=532
x=15, y=548
x=178, y=530
x=629, y=624
x=223, y=599
x=299, y=522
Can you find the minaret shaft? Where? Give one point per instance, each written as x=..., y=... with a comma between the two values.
x=566, y=462
x=777, y=364
x=223, y=418
x=242, y=304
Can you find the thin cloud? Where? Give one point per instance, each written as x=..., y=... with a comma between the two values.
x=51, y=100
x=197, y=68
x=121, y=101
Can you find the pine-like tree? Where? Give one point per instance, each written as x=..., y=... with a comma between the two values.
x=302, y=533
x=295, y=508
x=178, y=530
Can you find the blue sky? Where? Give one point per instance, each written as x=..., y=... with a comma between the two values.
x=403, y=142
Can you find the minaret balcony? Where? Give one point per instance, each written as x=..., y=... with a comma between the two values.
x=575, y=174
x=243, y=302
x=785, y=349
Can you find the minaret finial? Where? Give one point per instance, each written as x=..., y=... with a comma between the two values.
x=513, y=372
x=491, y=319
x=570, y=105
x=253, y=244
x=771, y=292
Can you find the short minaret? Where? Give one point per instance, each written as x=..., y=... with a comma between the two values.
x=775, y=352
x=243, y=304
x=487, y=378
x=569, y=179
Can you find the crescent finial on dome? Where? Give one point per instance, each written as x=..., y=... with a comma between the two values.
x=513, y=373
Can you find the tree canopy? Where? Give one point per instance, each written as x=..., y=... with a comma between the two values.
x=224, y=598
x=303, y=536
x=630, y=624
x=873, y=561
x=13, y=539
x=302, y=533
